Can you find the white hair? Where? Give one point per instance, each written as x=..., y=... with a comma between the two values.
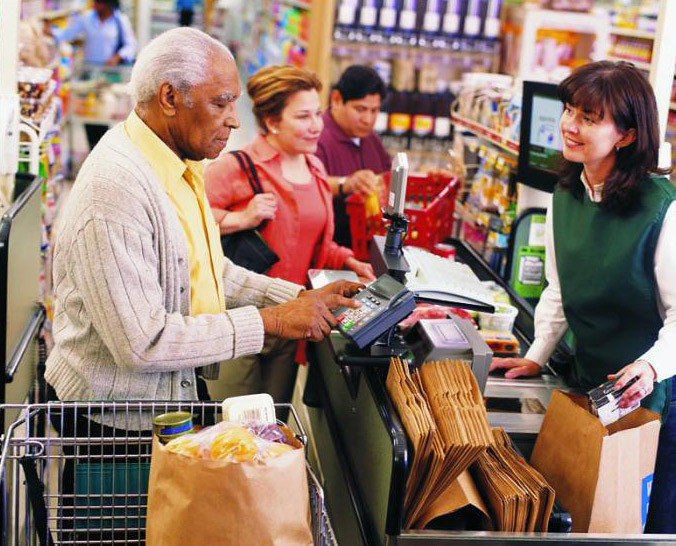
x=180, y=56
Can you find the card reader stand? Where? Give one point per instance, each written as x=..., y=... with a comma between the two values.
x=390, y=345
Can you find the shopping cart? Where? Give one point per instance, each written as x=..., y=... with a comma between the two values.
x=88, y=484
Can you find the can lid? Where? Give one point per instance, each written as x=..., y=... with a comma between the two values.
x=172, y=418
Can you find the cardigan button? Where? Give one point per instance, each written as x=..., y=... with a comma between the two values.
x=180, y=260
x=182, y=289
x=186, y=383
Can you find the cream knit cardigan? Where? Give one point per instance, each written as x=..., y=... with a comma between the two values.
x=122, y=326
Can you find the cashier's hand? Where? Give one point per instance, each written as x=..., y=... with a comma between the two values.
x=516, y=367
x=307, y=317
x=363, y=270
x=364, y=181
x=643, y=386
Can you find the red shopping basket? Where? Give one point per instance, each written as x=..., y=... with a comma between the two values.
x=429, y=206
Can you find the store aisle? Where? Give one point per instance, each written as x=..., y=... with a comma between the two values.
x=248, y=128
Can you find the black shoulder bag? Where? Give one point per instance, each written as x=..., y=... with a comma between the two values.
x=247, y=248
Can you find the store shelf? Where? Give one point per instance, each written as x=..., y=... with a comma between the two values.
x=299, y=41
x=488, y=134
x=297, y=4
x=58, y=13
x=45, y=125
x=638, y=64
x=632, y=33
x=94, y=120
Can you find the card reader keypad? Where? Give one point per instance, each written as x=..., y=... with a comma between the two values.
x=371, y=305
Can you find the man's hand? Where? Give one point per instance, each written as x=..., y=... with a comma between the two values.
x=639, y=390
x=342, y=288
x=362, y=269
x=114, y=60
x=364, y=181
x=307, y=317
x=516, y=367
x=262, y=206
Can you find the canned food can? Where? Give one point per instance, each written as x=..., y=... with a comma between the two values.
x=171, y=425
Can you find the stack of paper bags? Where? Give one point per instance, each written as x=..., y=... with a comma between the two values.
x=518, y=497
x=444, y=416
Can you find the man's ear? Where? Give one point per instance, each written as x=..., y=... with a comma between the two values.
x=168, y=98
x=628, y=138
x=335, y=98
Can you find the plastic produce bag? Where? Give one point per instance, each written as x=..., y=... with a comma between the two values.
x=231, y=485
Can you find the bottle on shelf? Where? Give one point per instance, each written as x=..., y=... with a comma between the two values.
x=442, y=116
x=387, y=20
x=492, y=21
x=451, y=24
x=406, y=29
x=399, y=125
x=472, y=26
x=430, y=33
x=422, y=123
x=368, y=18
x=346, y=18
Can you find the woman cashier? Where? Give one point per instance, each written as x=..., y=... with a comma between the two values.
x=611, y=257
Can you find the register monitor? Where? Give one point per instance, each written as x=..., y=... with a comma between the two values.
x=540, y=141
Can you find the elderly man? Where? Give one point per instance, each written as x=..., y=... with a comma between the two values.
x=143, y=293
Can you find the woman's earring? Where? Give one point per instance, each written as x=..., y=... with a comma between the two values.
x=274, y=131
x=617, y=149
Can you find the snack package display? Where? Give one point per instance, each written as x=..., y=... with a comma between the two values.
x=235, y=443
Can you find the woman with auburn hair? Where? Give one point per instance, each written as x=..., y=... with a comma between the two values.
x=296, y=206
x=611, y=257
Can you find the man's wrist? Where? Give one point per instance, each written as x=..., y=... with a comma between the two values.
x=341, y=185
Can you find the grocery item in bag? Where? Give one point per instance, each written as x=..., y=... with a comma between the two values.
x=601, y=475
x=231, y=484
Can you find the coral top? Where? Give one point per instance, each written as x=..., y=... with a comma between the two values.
x=301, y=233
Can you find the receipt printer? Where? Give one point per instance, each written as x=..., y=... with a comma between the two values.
x=454, y=338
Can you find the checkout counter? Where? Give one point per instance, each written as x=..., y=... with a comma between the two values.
x=363, y=449
x=363, y=453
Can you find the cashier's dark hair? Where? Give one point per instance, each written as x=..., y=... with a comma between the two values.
x=619, y=90
x=359, y=81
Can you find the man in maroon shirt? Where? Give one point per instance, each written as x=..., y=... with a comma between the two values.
x=352, y=153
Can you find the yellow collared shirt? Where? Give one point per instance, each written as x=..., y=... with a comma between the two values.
x=184, y=185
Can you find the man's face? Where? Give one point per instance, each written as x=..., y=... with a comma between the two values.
x=202, y=123
x=355, y=117
x=103, y=9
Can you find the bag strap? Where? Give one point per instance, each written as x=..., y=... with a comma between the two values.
x=249, y=169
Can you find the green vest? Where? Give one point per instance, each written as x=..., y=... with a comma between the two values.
x=606, y=269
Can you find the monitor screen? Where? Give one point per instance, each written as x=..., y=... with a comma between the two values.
x=540, y=142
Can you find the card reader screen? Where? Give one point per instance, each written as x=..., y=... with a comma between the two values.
x=386, y=287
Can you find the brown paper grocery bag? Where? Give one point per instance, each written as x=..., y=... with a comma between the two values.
x=201, y=502
x=463, y=495
x=602, y=475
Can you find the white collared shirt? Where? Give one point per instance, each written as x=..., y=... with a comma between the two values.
x=550, y=322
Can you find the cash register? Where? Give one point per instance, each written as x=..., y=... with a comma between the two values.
x=372, y=328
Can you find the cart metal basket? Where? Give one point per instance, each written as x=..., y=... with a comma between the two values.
x=88, y=482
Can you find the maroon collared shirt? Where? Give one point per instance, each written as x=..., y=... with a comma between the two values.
x=341, y=157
